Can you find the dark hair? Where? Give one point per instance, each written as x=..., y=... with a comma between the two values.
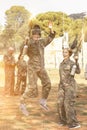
x=36, y=26
x=36, y=30
x=70, y=52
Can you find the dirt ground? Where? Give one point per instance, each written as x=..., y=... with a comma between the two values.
x=12, y=119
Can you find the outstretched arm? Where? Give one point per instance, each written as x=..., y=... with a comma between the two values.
x=77, y=65
x=49, y=39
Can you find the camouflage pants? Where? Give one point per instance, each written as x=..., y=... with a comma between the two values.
x=32, y=90
x=9, y=82
x=66, y=101
x=21, y=84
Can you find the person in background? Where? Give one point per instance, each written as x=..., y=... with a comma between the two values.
x=36, y=69
x=67, y=90
x=9, y=67
x=21, y=71
x=21, y=76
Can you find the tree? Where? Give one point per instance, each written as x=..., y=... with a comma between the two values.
x=60, y=22
x=18, y=25
x=17, y=18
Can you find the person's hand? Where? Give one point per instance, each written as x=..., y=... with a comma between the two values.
x=76, y=58
x=52, y=32
x=51, y=27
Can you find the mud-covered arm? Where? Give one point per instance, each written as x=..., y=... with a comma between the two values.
x=78, y=70
x=49, y=39
x=23, y=51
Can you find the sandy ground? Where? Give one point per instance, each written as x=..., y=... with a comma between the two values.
x=12, y=119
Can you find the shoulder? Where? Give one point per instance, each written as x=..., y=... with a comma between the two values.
x=44, y=41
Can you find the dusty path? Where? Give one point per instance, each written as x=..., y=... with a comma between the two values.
x=12, y=119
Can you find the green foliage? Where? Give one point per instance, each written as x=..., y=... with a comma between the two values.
x=19, y=24
x=17, y=18
x=85, y=29
x=55, y=17
x=85, y=35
